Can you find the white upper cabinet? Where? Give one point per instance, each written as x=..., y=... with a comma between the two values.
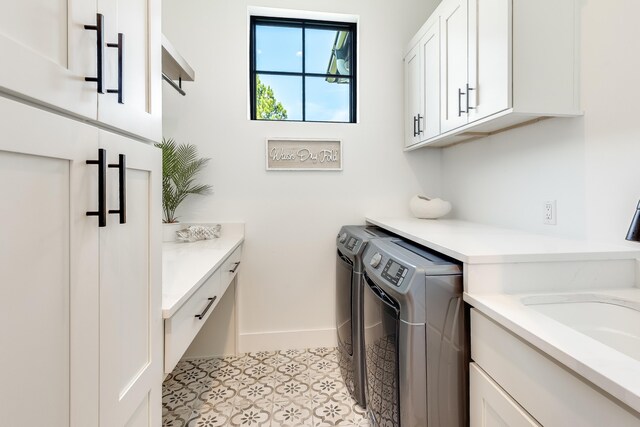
x=454, y=63
x=503, y=63
x=489, y=90
x=133, y=67
x=422, y=87
x=58, y=53
x=412, y=101
x=429, y=126
x=47, y=53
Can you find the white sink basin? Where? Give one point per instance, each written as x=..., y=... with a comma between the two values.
x=614, y=322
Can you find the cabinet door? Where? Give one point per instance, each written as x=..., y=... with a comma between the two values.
x=490, y=406
x=130, y=289
x=489, y=57
x=413, y=93
x=454, y=63
x=138, y=109
x=47, y=53
x=48, y=270
x=429, y=123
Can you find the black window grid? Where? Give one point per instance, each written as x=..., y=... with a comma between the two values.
x=304, y=24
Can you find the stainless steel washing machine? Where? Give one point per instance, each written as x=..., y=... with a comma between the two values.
x=415, y=337
x=352, y=242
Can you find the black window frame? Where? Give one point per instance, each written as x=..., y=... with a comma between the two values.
x=304, y=24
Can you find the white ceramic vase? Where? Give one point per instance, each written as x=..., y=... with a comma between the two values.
x=429, y=209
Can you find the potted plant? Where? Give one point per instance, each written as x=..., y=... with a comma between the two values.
x=180, y=165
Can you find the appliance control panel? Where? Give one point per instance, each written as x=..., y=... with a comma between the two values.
x=394, y=272
x=352, y=243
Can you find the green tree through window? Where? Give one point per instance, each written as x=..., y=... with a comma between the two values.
x=268, y=107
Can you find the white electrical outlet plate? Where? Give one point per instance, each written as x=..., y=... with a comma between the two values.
x=550, y=213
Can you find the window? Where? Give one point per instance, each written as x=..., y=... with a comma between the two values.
x=302, y=70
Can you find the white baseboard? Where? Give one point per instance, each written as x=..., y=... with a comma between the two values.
x=285, y=340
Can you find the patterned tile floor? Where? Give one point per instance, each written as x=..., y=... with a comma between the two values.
x=297, y=388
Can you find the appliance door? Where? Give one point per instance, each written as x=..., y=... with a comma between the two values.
x=381, y=340
x=447, y=354
x=344, y=284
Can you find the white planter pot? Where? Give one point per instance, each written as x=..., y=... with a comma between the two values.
x=169, y=231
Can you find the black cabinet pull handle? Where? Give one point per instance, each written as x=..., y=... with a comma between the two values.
x=469, y=89
x=419, y=130
x=120, y=47
x=460, y=110
x=211, y=301
x=99, y=29
x=101, y=213
x=235, y=267
x=122, y=188
x=415, y=133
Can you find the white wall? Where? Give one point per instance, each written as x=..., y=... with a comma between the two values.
x=287, y=279
x=589, y=164
x=504, y=179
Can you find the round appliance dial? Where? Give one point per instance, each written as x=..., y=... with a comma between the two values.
x=375, y=260
x=343, y=237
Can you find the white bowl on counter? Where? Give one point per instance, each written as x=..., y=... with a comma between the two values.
x=426, y=208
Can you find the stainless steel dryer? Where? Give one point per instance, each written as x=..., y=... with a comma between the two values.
x=415, y=337
x=352, y=242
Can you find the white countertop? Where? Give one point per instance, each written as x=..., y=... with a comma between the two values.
x=607, y=368
x=483, y=244
x=185, y=266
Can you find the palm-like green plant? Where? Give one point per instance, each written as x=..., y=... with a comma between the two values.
x=180, y=165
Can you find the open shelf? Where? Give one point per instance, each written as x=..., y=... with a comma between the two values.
x=175, y=67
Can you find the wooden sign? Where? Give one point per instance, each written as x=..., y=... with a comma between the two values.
x=300, y=154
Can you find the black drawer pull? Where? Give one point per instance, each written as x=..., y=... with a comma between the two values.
x=120, y=47
x=469, y=89
x=101, y=213
x=122, y=188
x=235, y=267
x=211, y=301
x=99, y=29
x=460, y=110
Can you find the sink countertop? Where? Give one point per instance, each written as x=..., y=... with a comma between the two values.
x=474, y=243
x=607, y=368
x=186, y=266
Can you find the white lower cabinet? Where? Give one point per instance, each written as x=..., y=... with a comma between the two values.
x=130, y=286
x=229, y=269
x=490, y=406
x=182, y=327
x=80, y=303
x=514, y=384
x=49, y=255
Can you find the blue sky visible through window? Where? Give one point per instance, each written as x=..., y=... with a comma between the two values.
x=280, y=49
